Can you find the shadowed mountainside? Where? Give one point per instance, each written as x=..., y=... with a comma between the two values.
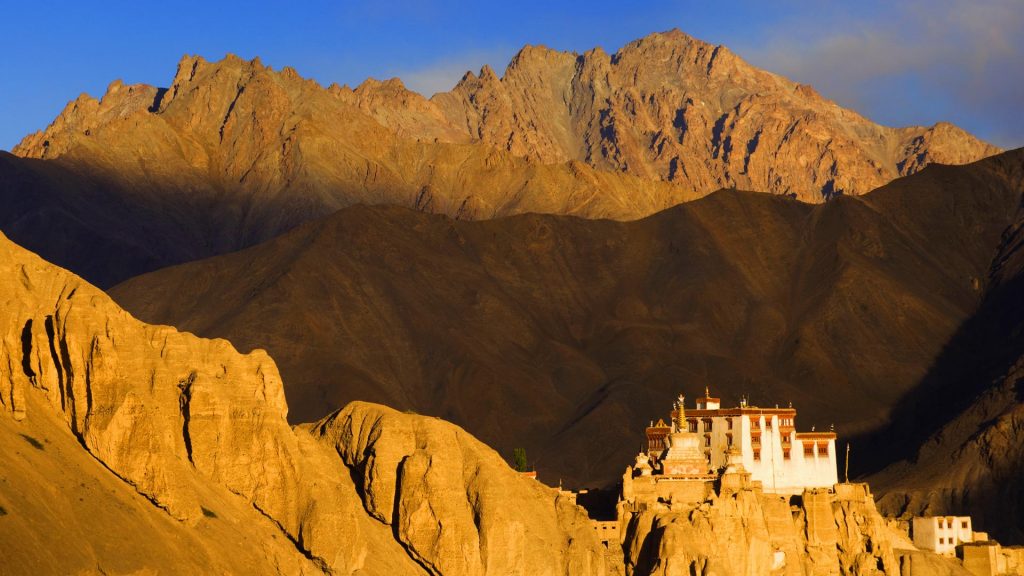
x=234, y=153
x=565, y=336
x=965, y=422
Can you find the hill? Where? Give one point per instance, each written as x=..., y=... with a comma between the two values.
x=566, y=336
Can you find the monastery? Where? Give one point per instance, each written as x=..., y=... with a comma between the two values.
x=749, y=458
x=710, y=451
x=762, y=441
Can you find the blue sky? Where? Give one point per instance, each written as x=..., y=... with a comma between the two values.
x=899, y=63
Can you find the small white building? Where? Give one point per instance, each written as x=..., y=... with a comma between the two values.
x=783, y=460
x=942, y=534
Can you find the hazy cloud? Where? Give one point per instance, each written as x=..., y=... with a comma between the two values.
x=956, y=60
x=442, y=75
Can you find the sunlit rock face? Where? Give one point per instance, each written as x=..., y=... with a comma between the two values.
x=671, y=107
x=196, y=438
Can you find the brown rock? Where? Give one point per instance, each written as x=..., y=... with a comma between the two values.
x=824, y=533
x=453, y=502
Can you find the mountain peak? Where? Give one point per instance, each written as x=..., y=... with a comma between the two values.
x=666, y=107
x=487, y=74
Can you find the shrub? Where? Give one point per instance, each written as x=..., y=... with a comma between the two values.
x=519, y=460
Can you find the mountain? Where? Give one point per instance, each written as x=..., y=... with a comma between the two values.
x=965, y=423
x=131, y=448
x=233, y=153
x=566, y=336
x=670, y=107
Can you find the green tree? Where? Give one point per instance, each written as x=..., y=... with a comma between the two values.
x=519, y=459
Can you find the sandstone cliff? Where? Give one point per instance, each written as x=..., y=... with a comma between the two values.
x=233, y=153
x=582, y=331
x=173, y=442
x=755, y=533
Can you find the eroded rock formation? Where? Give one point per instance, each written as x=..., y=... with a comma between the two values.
x=200, y=431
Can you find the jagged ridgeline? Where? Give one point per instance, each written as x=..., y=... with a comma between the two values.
x=234, y=153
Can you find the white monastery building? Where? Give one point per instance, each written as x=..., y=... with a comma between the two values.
x=763, y=440
x=942, y=534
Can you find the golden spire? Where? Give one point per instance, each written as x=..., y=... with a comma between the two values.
x=707, y=392
x=680, y=413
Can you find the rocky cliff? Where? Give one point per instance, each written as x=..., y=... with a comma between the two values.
x=822, y=532
x=233, y=153
x=181, y=446
x=577, y=332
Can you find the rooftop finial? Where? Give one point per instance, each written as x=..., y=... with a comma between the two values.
x=680, y=413
x=707, y=392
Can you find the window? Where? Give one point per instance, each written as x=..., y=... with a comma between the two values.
x=707, y=425
x=693, y=425
x=757, y=453
x=728, y=439
x=785, y=453
x=768, y=423
x=707, y=440
x=963, y=524
x=729, y=422
x=808, y=449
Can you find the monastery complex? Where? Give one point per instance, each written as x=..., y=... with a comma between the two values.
x=761, y=442
x=723, y=460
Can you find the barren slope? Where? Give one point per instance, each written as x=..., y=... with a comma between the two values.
x=566, y=335
x=966, y=422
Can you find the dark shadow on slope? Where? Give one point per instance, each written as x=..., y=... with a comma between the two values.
x=979, y=356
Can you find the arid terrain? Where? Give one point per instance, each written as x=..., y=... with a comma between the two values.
x=253, y=325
